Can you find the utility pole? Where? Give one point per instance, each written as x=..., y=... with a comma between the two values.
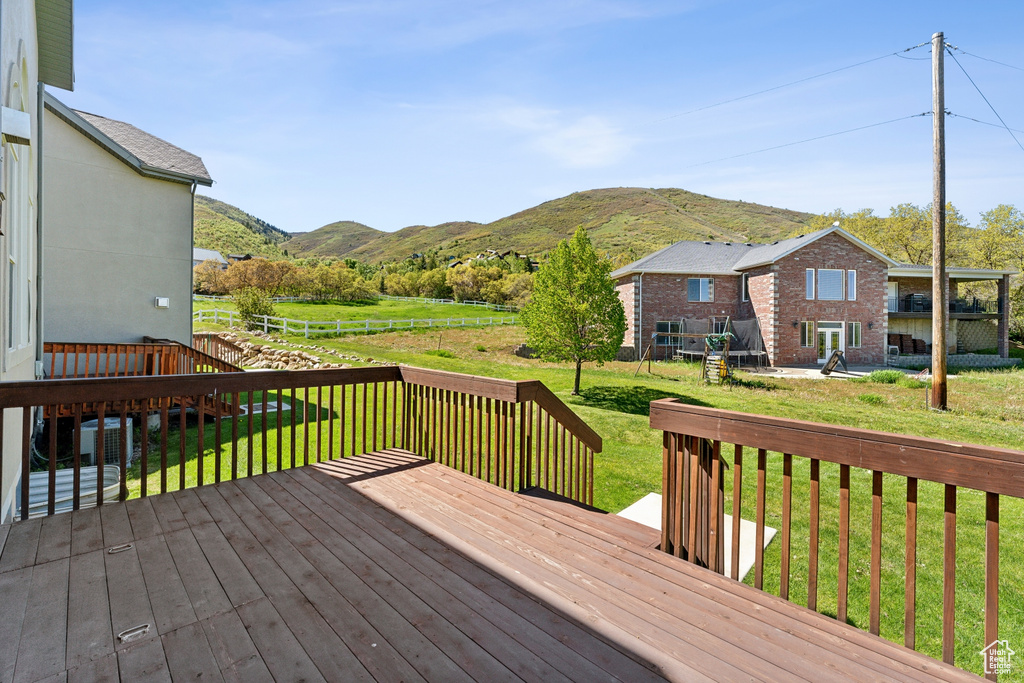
x=940, y=305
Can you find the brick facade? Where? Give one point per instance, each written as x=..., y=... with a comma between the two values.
x=791, y=303
x=663, y=297
x=777, y=299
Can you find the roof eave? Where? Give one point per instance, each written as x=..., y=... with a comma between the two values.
x=979, y=273
x=55, y=32
x=70, y=117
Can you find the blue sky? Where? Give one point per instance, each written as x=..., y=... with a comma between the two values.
x=402, y=112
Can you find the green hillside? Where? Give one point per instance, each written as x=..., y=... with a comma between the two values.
x=335, y=240
x=256, y=225
x=620, y=219
x=214, y=230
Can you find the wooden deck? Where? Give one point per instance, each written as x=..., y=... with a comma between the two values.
x=391, y=568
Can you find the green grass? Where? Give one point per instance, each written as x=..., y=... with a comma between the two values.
x=985, y=408
x=364, y=310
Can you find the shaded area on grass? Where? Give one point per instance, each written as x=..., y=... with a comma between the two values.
x=635, y=399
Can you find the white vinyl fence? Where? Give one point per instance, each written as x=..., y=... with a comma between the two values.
x=379, y=297
x=309, y=328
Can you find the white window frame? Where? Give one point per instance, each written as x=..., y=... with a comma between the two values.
x=807, y=338
x=851, y=285
x=744, y=285
x=853, y=335
x=809, y=284
x=19, y=223
x=710, y=286
x=839, y=296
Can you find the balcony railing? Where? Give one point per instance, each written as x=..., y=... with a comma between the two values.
x=918, y=303
x=218, y=347
x=695, y=499
x=515, y=434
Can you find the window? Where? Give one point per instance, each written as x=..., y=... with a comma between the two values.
x=700, y=288
x=19, y=223
x=810, y=283
x=718, y=326
x=671, y=327
x=807, y=333
x=745, y=287
x=830, y=285
x=851, y=285
x=853, y=335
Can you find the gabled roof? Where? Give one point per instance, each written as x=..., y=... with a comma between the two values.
x=207, y=255
x=709, y=258
x=770, y=253
x=731, y=258
x=147, y=154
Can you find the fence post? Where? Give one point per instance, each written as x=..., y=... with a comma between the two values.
x=306, y=324
x=367, y=325
x=266, y=325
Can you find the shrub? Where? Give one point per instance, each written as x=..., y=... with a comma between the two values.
x=872, y=399
x=886, y=376
x=440, y=353
x=253, y=303
x=481, y=348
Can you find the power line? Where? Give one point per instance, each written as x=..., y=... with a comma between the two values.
x=786, y=85
x=819, y=137
x=986, y=100
x=984, y=123
x=986, y=59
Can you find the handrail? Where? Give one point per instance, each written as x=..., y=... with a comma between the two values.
x=695, y=500
x=514, y=391
x=997, y=470
x=513, y=434
x=147, y=358
x=218, y=347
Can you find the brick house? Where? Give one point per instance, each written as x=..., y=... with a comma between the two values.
x=810, y=295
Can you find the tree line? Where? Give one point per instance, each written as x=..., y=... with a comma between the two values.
x=496, y=281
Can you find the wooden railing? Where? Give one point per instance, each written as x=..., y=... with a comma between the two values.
x=696, y=494
x=238, y=424
x=74, y=360
x=514, y=434
x=215, y=346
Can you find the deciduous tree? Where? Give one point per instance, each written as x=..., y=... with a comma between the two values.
x=575, y=314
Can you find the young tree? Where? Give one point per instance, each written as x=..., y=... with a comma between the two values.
x=575, y=314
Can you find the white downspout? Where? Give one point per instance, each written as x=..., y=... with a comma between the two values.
x=40, y=114
x=640, y=317
x=191, y=270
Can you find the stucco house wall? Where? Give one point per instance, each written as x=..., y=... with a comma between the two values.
x=19, y=78
x=127, y=235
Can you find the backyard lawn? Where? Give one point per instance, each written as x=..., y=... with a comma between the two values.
x=362, y=310
x=985, y=408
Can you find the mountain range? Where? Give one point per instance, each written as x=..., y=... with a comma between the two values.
x=627, y=221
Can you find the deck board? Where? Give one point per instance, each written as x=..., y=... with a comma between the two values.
x=667, y=604
x=387, y=567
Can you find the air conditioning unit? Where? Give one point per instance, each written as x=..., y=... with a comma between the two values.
x=111, y=441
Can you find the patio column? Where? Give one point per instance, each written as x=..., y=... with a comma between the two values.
x=1004, y=317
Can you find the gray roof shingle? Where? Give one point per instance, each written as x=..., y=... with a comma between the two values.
x=727, y=258
x=149, y=149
